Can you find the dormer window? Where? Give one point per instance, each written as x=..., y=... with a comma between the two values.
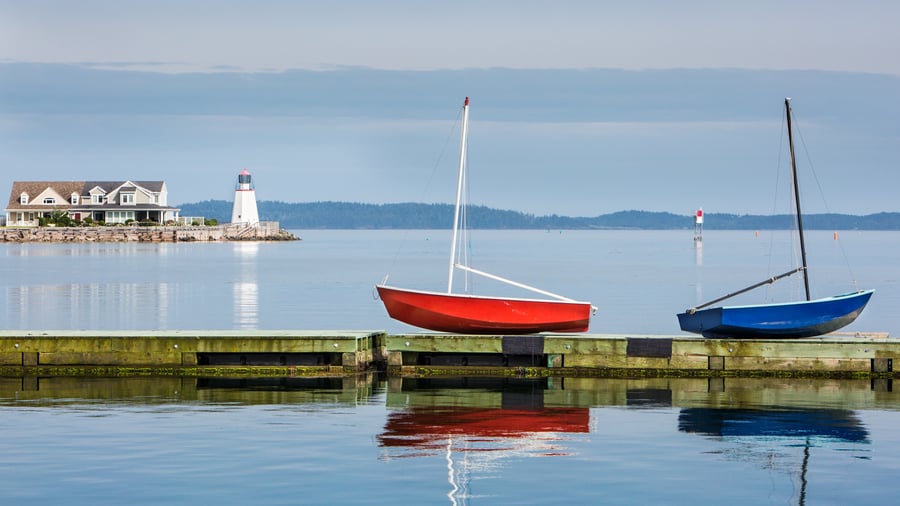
x=126, y=199
x=23, y=198
x=74, y=199
x=96, y=199
x=49, y=201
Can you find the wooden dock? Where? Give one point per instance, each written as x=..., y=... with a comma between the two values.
x=187, y=353
x=289, y=353
x=835, y=355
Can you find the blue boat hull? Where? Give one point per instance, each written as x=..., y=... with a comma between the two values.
x=783, y=321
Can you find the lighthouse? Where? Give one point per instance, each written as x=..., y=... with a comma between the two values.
x=244, y=210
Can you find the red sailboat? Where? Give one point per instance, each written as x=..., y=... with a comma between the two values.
x=474, y=314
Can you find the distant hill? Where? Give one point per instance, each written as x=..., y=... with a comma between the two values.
x=352, y=215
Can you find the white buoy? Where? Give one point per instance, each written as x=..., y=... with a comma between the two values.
x=244, y=210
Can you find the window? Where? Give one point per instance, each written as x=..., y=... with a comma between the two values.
x=23, y=198
x=96, y=199
x=119, y=216
x=126, y=199
x=49, y=200
x=74, y=199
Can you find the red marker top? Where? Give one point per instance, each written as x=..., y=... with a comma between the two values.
x=467, y=101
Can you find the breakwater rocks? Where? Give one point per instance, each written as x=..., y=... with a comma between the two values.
x=264, y=231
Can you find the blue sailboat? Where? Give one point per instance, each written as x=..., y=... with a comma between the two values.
x=806, y=318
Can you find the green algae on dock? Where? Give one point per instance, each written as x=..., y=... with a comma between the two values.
x=333, y=352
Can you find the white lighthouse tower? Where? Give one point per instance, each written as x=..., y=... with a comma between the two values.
x=244, y=210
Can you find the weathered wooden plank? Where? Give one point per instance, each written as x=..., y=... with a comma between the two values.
x=607, y=345
x=445, y=343
x=177, y=348
x=11, y=358
x=797, y=364
x=111, y=358
x=689, y=362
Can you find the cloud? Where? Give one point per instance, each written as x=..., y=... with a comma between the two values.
x=580, y=142
x=409, y=35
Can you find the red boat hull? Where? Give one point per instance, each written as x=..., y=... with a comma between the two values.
x=468, y=314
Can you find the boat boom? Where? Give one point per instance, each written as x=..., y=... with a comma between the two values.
x=768, y=281
x=511, y=282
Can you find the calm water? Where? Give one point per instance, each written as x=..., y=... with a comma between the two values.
x=465, y=441
x=638, y=279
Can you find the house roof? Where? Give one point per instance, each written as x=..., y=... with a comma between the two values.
x=35, y=188
x=108, y=186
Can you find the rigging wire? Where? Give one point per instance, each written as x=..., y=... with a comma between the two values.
x=778, y=170
x=815, y=177
x=780, y=175
x=809, y=166
x=455, y=125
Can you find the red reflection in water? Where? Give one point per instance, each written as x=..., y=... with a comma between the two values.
x=430, y=427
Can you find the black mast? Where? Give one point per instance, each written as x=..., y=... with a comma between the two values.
x=787, y=109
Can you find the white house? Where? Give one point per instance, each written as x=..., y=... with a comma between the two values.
x=106, y=201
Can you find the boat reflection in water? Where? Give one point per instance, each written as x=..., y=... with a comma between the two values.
x=477, y=423
x=815, y=424
x=769, y=435
x=490, y=414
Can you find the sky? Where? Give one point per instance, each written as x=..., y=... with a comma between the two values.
x=578, y=107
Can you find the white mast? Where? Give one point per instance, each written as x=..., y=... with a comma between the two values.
x=459, y=190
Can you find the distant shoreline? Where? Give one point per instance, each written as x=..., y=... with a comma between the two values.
x=419, y=216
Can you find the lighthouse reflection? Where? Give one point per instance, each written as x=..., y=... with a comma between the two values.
x=246, y=288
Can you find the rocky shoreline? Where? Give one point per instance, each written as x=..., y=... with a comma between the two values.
x=265, y=231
